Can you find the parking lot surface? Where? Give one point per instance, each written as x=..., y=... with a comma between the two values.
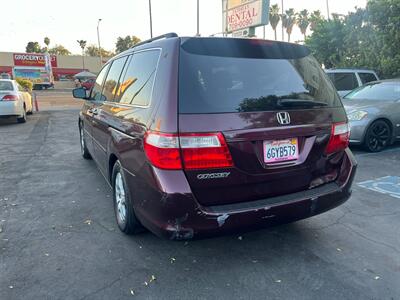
x=59, y=240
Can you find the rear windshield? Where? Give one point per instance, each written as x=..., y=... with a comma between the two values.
x=243, y=76
x=6, y=86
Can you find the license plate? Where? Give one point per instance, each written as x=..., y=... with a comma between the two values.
x=281, y=150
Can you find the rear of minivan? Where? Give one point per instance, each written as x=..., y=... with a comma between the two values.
x=261, y=139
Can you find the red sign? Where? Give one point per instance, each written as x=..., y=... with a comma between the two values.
x=33, y=60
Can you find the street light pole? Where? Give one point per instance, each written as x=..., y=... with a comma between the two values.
x=151, y=20
x=327, y=9
x=98, y=40
x=198, y=18
x=283, y=31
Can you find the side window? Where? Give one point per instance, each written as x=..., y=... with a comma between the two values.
x=367, y=77
x=137, y=86
x=98, y=86
x=345, y=81
x=113, y=77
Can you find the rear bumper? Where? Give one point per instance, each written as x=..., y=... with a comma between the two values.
x=10, y=108
x=175, y=213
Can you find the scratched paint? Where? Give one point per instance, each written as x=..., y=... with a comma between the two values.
x=389, y=185
x=221, y=219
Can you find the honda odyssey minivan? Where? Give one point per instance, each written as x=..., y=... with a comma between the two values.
x=207, y=136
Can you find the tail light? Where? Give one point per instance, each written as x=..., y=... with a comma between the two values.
x=10, y=98
x=339, y=140
x=188, y=151
x=163, y=151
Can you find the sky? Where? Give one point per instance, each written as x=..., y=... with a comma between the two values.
x=65, y=22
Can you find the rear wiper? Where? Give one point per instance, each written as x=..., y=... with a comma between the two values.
x=300, y=102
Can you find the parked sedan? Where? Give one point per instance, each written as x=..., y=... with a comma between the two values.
x=14, y=100
x=374, y=114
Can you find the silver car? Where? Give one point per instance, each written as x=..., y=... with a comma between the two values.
x=14, y=100
x=374, y=114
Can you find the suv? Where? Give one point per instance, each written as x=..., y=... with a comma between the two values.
x=206, y=136
x=346, y=80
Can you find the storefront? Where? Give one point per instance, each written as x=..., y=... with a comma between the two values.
x=63, y=67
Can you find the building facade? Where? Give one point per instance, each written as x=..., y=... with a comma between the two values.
x=63, y=67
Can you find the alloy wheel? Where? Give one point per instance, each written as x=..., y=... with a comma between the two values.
x=378, y=137
x=120, y=198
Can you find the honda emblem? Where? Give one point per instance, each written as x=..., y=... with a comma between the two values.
x=283, y=118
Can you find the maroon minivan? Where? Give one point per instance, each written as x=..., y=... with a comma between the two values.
x=206, y=136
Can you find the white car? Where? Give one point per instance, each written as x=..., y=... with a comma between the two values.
x=14, y=100
x=346, y=80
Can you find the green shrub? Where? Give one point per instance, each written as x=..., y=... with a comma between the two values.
x=25, y=83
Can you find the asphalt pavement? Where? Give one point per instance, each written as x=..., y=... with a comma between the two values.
x=59, y=239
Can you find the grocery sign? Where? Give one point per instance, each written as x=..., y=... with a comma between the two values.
x=240, y=14
x=33, y=60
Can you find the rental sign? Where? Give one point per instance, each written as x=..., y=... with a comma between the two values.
x=240, y=14
x=33, y=60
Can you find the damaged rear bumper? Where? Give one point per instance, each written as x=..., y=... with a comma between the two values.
x=177, y=215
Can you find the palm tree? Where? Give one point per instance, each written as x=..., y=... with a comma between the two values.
x=303, y=21
x=274, y=17
x=288, y=20
x=315, y=18
x=47, y=43
x=82, y=44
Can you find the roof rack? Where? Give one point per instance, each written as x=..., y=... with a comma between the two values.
x=164, y=36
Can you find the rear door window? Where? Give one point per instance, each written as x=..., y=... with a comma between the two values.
x=96, y=93
x=111, y=84
x=242, y=82
x=367, y=77
x=344, y=81
x=137, y=83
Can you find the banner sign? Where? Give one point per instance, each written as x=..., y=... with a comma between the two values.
x=34, y=75
x=240, y=14
x=33, y=60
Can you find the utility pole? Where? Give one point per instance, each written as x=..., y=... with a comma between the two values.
x=98, y=40
x=198, y=18
x=151, y=20
x=327, y=9
x=283, y=31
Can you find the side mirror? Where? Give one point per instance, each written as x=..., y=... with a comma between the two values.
x=79, y=93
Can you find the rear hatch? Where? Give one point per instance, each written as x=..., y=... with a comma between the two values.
x=273, y=105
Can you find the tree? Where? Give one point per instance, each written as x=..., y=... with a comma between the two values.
x=288, y=21
x=82, y=44
x=59, y=50
x=315, y=18
x=367, y=38
x=303, y=21
x=274, y=17
x=33, y=47
x=93, y=50
x=125, y=43
x=47, y=43
x=384, y=17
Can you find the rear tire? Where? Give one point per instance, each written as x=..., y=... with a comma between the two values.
x=22, y=119
x=123, y=205
x=84, y=150
x=378, y=136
